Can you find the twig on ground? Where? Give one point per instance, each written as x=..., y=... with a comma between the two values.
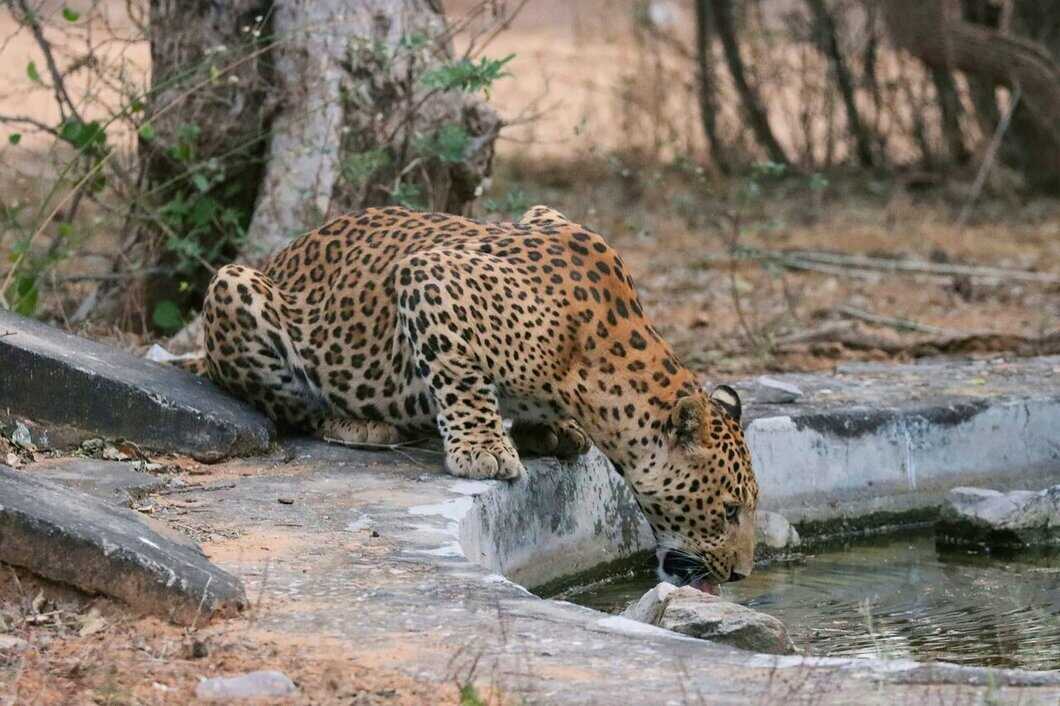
x=893, y=322
x=193, y=487
x=398, y=448
x=821, y=333
x=850, y=264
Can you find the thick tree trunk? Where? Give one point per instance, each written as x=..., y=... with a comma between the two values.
x=934, y=31
x=270, y=116
x=828, y=40
x=706, y=80
x=354, y=117
x=202, y=156
x=724, y=16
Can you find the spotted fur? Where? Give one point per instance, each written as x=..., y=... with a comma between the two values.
x=390, y=320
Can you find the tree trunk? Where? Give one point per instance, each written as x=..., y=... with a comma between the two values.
x=828, y=40
x=202, y=155
x=950, y=112
x=725, y=21
x=707, y=85
x=299, y=110
x=934, y=31
x=356, y=124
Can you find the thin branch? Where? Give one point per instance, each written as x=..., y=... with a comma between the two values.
x=808, y=259
x=989, y=158
x=193, y=487
x=29, y=17
x=28, y=121
x=896, y=323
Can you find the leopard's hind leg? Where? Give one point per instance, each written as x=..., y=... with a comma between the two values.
x=256, y=350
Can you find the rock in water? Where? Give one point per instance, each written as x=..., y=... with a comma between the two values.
x=991, y=518
x=252, y=685
x=649, y=608
x=698, y=614
x=774, y=532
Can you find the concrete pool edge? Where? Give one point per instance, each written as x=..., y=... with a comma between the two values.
x=384, y=555
x=819, y=463
x=834, y=464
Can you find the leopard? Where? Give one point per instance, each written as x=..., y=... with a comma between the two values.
x=388, y=321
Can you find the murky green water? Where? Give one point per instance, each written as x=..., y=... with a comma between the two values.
x=893, y=597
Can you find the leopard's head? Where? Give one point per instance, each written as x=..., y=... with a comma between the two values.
x=701, y=499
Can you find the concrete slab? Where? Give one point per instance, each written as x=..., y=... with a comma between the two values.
x=373, y=558
x=75, y=538
x=77, y=388
x=875, y=438
x=113, y=481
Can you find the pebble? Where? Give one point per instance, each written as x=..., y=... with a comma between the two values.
x=12, y=644
x=252, y=685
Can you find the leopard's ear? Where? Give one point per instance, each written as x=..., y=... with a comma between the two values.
x=726, y=398
x=686, y=419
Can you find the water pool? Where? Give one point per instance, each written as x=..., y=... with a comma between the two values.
x=892, y=597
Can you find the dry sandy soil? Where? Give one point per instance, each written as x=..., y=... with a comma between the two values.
x=82, y=650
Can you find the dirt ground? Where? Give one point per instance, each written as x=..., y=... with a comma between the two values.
x=78, y=650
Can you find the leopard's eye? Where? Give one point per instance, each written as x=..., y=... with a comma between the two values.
x=732, y=511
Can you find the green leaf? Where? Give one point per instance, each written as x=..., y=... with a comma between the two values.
x=451, y=143
x=14, y=138
x=65, y=230
x=71, y=15
x=200, y=182
x=147, y=132
x=467, y=75
x=26, y=294
x=409, y=196
x=84, y=136
x=31, y=71
x=167, y=316
x=203, y=211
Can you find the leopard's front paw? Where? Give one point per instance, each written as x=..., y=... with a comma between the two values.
x=562, y=439
x=483, y=461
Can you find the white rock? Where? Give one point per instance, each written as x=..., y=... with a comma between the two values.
x=769, y=390
x=691, y=612
x=253, y=685
x=774, y=531
x=697, y=614
x=1028, y=516
x=649, y=608
x=160, y=355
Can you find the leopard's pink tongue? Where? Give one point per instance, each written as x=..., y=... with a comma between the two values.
x=711, y=588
